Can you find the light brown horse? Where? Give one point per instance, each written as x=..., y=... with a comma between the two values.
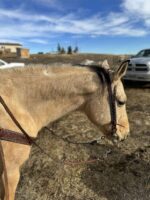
x=40, y=95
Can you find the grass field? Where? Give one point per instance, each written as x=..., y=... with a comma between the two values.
x=65, y=58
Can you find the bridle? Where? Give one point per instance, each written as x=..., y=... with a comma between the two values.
x=105, y=77
x=112, y=103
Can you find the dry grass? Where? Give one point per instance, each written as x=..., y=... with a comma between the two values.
x=74, y=59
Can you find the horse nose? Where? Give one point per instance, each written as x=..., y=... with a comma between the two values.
x=115, y=137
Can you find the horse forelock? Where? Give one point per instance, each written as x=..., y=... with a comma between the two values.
x=103, y=74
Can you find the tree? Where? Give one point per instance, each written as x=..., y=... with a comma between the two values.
x=62, y=50
x=58, y=48
x=69, y=50
x=76, y=49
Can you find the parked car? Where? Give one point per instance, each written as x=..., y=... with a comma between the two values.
x=139, y=67
x=4, y=64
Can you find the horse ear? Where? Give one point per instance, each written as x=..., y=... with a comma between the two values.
x=121, y=71
x=104, y=64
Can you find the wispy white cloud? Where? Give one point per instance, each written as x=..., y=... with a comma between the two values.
x=38, y=28
x=137, y=7
x=39, y=41
x=140, y=9
x=23, y=16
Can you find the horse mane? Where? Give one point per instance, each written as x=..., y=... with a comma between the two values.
x=37, y=68
x=103, y=74
x=27, y=68
x=57, y=68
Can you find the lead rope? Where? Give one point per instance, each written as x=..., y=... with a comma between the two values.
x=112, y=112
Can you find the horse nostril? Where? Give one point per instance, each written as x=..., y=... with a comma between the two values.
x=127, y=135
x=116, y=138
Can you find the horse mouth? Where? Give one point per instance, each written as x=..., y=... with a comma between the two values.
x=114, y=137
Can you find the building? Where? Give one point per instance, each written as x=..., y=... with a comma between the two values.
x=23, y=53
x=13, y=49
x=9, y=47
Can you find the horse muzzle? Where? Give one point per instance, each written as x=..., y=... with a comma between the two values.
x=119, y=134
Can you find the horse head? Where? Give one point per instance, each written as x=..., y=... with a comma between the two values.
x=106, y=106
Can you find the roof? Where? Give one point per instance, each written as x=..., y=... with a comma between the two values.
x=11, y=44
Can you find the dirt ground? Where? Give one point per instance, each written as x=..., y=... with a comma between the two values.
x=122, y=171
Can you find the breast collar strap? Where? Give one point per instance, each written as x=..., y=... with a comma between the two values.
x=12, y=136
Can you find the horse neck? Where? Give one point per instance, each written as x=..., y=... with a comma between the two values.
x=48, y=98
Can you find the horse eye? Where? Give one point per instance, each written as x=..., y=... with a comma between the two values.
x=120, y=103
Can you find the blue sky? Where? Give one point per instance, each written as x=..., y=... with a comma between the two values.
x=98, y=26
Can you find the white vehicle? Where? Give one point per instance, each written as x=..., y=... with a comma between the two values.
x=139, y=67
x=4, y=65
